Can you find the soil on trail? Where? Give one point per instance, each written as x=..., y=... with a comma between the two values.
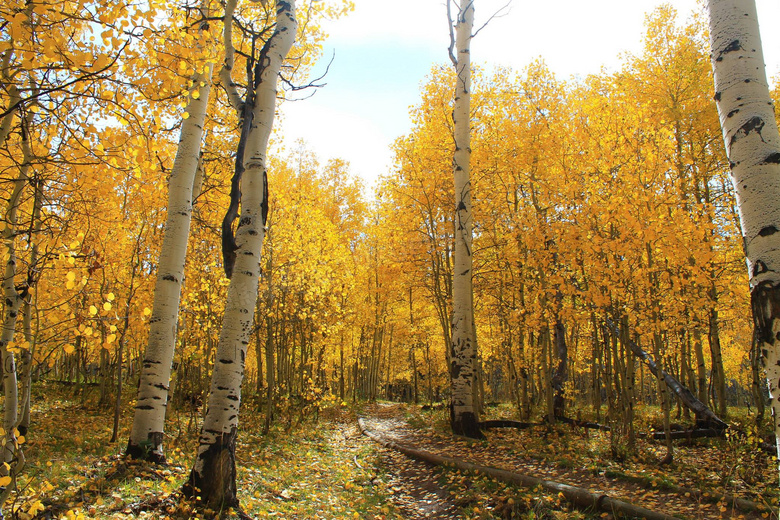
x=418, y=495
x=413, y=484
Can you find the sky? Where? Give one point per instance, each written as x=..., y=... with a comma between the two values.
x=385, y=49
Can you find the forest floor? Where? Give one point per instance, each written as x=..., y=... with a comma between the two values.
x=319, y=466
x=693, y=487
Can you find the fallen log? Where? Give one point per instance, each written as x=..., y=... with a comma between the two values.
x=583, y=424
x=699, y=433
x=582, y=498
x=502, y=423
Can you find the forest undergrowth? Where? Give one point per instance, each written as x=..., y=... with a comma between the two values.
x=320, y=466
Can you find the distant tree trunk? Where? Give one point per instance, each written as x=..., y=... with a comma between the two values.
x=596, y=368
x=136, y=263
x=545, y=377
x=213, y=475
x=753, y=146
x=341, y=367
x=146, y=435
x=414, y=372
x=718, y=374
x=701, y=368
x=663, y=394
x=757, y=385
x=560, y=374
x=269, y=342
x=33, y=275
x=463, y=355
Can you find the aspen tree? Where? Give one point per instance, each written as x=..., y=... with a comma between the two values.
x=463, y=358
x=146, y=435
x=12, y=458
x=753, y=146
x=213, y=475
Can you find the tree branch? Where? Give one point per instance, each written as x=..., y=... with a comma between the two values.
x=500, y=13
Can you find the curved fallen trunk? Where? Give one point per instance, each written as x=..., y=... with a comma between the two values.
x=699, y=433
x=701, y=410
x=580, y=497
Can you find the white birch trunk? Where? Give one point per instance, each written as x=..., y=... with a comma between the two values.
x=146, y=435
x=753, y=146
x=213, y=476
x=463, y=359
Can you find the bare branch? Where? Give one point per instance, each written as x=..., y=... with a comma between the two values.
x=451, y=48
x=311, y=84
x=500, y=13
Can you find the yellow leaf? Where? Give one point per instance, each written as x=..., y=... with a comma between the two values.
x=185, y=115
x=147, y=311
x=4, y=481
x=93, y=310
x=110, y=297
x=195, y=95
x=101, y=62
x=69, y=349
x=107, y=306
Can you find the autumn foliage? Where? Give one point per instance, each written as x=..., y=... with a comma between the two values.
x=597, y=198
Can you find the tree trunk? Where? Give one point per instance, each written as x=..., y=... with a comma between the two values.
x=701, y=368
x=463, y=412
x=560, y=374
x=213, y=475
x=12, y=456
x=146, y=435
x=753, y=147
x=269, y=341
x=28, y=304
x=718, y=374
x=756, y=387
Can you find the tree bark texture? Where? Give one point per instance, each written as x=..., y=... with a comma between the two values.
x=146, y=435
x=463, y=359
x=752, y=143
x=213, y=474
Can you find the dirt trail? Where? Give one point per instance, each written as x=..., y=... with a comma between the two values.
x=415, y=490
x=421, y=497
